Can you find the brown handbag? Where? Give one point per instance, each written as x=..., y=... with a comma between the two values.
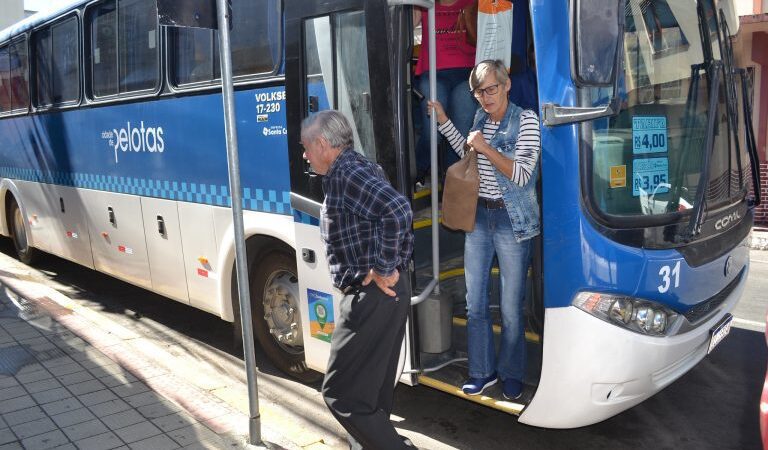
x=462, y=185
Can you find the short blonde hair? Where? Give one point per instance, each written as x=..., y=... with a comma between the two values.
x=483, y=68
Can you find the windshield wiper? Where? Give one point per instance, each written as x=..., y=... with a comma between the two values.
x=749, y=133
x=694, y=226
x=690, y=116
x=731, y=98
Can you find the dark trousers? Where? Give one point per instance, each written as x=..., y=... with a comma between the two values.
x=360, y=381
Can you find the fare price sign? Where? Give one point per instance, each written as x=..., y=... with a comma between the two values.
x=650, y=176
x=649, y=134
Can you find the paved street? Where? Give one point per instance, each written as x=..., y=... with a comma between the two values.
x=714, y=406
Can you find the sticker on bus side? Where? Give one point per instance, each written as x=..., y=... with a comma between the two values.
x=650, y=176
x=649, y=134
x=321, y=320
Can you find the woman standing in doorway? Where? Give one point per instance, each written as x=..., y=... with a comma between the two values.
x=507, y=140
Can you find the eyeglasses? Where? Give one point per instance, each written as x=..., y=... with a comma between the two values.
x=490, y=90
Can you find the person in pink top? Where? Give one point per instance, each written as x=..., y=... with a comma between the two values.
x=455, y=59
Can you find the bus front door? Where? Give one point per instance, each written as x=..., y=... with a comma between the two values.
x=337, y=57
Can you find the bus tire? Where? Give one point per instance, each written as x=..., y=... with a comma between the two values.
x=15, y=219
x=275, y=313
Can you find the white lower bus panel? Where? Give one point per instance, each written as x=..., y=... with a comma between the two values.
x=593, y=370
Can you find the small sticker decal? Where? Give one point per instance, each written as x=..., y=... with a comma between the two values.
x=124, y=249
x=321, y=319
x=72, y=234
x=618, y=176
x=203, y=273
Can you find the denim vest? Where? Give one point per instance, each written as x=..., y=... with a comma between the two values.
x=520, y=201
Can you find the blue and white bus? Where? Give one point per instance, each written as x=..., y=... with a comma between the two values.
x=112, y=155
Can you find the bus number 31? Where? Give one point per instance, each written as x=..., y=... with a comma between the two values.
x=664, y=273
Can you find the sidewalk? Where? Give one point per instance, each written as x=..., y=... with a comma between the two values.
x=68, y=382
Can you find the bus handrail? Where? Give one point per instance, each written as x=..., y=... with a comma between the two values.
x=433, y=284
x=416, y=299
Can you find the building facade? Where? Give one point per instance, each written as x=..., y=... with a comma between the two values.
x=751, y=52
x=12, y=12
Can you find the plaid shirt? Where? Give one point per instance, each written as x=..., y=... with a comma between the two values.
x=365, y=222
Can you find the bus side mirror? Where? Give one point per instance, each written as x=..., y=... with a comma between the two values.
x=596, y=39
x=596, y=34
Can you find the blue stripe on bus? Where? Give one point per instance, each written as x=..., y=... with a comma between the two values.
x=253, y=199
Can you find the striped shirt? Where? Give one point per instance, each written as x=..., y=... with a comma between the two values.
x=527, y=149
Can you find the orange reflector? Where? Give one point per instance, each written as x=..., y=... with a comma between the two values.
x=203, y=260
x=104, y=234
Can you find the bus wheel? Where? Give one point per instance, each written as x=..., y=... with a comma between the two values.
x=276, y=316
x=24, y=252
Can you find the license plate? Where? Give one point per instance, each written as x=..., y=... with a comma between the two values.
x=719, y=332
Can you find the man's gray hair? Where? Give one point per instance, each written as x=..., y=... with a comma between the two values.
x=331, y=125
x=483, y=68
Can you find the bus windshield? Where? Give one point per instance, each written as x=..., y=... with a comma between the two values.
x=648, y=159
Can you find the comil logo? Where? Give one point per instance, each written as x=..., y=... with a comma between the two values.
x=136, y=139
x=724, y=222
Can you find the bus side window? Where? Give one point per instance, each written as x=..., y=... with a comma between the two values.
x=255, y=36
x=137, y=45
x=5, y=81
x=42, y=41
x=193, y=56
x=255, y=40
x=19, y=75
x=57, y=74
x=102, y=25
x=65, y=79
x=123, y=47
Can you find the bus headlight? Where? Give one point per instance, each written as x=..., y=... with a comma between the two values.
x=638, y=315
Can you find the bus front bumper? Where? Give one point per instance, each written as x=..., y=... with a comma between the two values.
x=592, y=370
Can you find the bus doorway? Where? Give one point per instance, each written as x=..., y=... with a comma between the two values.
x=441, y=320
x=337, y=57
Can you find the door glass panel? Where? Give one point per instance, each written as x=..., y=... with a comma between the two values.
x=337, y=73
x=319, y=65
x=354, y=87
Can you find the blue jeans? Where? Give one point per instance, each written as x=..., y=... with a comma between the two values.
x=460, y=106
x=493, y=235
